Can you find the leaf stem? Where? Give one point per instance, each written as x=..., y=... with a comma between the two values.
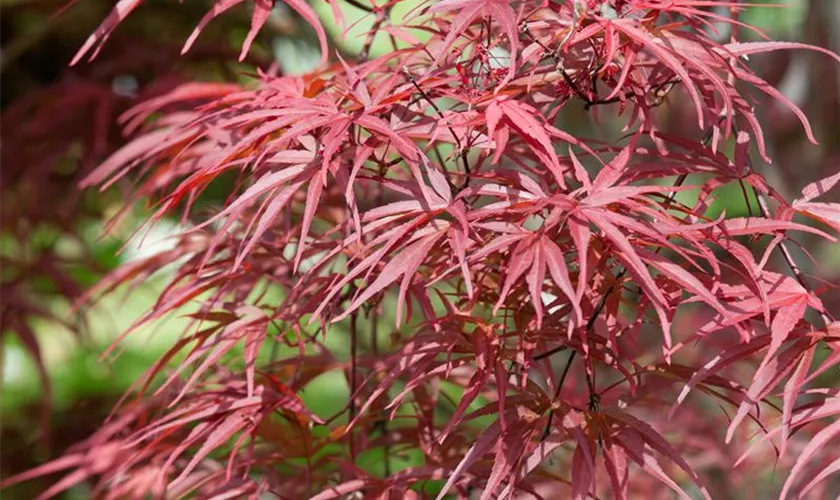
x=794, y=267
x=360, y=5
x=462, y=152
x=381, y=16
x=354, y=316
x=557, y=390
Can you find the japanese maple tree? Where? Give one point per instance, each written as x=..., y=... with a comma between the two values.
x=523, y=309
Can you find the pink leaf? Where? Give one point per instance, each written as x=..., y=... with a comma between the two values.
x=783, y=323
x=341, y=490
x=658, y=443
x=522, y=256
x=792, y=389
x=482, y=445
x=508, y=455
x=121, y=10
x=218, y=8
x=582, y=475
x=757, y=225
x=556, y=261
x=815, y=444
x=613, y=170
x=405, y=264
x=749, y=48
x=628, y=256
x=818, y=188
x=615, y=461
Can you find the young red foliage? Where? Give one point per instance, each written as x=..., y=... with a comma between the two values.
x=430, y=168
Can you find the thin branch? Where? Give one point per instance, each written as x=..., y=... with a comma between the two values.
x=359, y=5
x=549, y=353
x=797, y=272
x=660, y=90
x=381, y=16
x=589, y=325
x=594, y=398
x=462, y=152
x=353, y=368
x=557, y=390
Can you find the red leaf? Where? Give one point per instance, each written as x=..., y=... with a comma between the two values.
x=121, y=10
x=793, y=388
x=817, y=189
x=749, y=48
x=340, y=490
x=483, y=443
x=818, y=442
x=405, y=264
x=521, y=259
x=658, y=443
x=757, y=225
x=556, y=261
x=628, y=256
x=615, y=461
x=508, y=454
x=583, y=474
x=667, y=58
x=783, y=323
x=218, y=8
x=612, y=171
